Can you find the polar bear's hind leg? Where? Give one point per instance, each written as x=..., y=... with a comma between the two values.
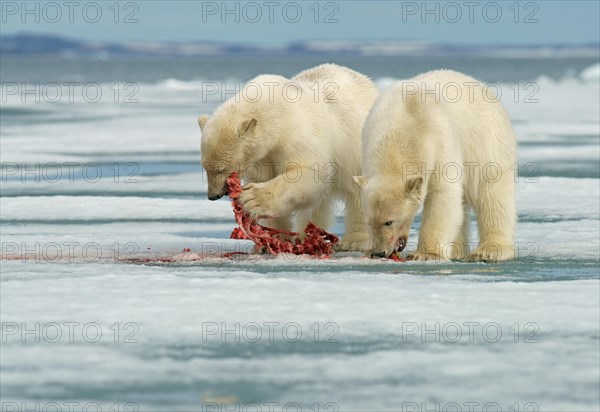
x=496, y=221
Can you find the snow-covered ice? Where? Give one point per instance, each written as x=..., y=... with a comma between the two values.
x=375, y=335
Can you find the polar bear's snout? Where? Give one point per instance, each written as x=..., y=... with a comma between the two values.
x=215, y=197
x=399, y=246
x=217, y=187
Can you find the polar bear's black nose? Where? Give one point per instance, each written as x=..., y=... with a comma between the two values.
x=214, y=197
x=378, y=254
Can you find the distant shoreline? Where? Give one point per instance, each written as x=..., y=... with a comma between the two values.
x=26, y=44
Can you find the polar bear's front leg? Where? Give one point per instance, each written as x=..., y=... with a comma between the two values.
x=442, y=221
x=356, y=236
x=322, y=216
x=460, y=249
x=280, y=223
x=281, y=197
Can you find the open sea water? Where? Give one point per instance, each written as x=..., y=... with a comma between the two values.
x=97, y=189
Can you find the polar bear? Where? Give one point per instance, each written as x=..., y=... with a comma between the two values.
x=297, y=144
x=443, y=141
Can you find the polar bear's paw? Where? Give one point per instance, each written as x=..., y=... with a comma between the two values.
x=354, y=242
x=259, y=201
x=424, y=256
x=492, y=252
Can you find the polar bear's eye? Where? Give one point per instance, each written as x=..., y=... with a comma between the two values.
x=388, y=223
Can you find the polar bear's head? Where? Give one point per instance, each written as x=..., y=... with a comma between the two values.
x=242, y=132
x=226, y=147
x=389, y=206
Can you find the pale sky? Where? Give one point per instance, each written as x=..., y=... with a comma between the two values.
x=273, y=22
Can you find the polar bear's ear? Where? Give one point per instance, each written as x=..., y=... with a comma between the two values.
x=247, y=126
x=202, y=121
x=360, y=181
x=414, y=186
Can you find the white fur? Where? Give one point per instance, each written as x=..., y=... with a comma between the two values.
x=318, y=137
x=414, y=141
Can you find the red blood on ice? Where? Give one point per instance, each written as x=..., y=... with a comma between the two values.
x=396, y=258
x=317, y=241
